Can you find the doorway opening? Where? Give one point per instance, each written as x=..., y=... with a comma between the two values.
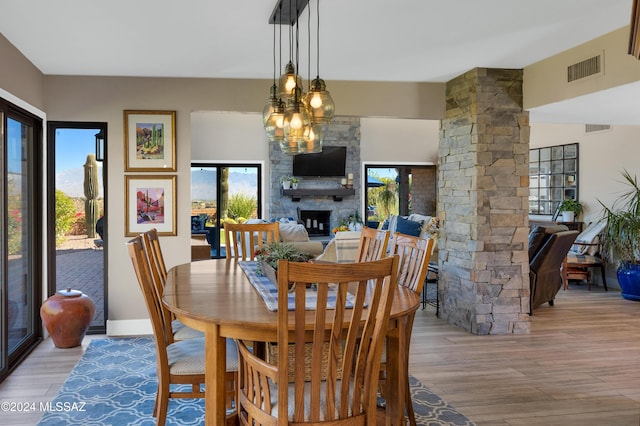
x=77, y=206
x=399, y=190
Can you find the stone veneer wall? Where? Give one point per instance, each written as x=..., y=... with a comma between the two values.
x=423, y=191
x=483, y=192
x=343, y=131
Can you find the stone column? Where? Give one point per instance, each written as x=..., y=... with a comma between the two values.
x=483, y=198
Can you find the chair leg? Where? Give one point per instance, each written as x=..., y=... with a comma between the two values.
x=409, y=403
x=604, y=278
x=162, y=399
x=155, y=405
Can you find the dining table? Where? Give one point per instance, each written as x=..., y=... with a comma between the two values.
x=217, y=297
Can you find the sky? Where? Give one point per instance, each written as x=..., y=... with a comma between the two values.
x=72, y=147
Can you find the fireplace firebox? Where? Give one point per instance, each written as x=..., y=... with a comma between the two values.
x=317, y=222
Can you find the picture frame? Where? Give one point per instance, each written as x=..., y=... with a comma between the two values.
x=150, y=202
x=150, y=141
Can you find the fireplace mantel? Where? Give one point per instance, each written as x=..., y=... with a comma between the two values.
x=336, y=193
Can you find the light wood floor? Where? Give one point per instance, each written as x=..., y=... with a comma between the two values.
x=577, y=367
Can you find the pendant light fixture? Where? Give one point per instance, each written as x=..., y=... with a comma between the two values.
x=290, y=79
x=318, y=100
x=296, y=120
x=273, y=111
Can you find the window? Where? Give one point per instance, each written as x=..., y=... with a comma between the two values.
x=553, y=177
x=399, y=190
x=222, y=192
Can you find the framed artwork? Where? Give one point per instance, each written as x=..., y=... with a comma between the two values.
x=150, y=202
x=150, y=141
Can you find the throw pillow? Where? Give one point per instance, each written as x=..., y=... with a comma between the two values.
x=197, y=224
x=408, y=227
x=293, y=232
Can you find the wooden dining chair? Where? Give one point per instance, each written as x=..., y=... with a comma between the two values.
x=340, y=387
x=176, y=330
x=178, y=363
x=242, y=239
x=373, y=244
x=414, y=254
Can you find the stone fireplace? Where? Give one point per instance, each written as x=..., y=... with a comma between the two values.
x=319, y=194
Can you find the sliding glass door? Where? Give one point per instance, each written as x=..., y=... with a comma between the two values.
x=220, y=193
x=20, y=234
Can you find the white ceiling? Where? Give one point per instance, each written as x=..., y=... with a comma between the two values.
x=373, y=40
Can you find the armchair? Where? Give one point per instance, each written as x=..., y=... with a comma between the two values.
x=548, y=247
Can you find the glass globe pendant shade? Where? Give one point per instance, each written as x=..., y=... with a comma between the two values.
x=288, y=82
x=271, y=104
x=296, y=124
x=319, y=102
x=312, y=139
x=274, y=127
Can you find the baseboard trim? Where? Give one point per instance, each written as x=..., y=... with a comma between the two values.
x=129, y=327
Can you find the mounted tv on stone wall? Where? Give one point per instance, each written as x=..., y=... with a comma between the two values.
x=331, y=162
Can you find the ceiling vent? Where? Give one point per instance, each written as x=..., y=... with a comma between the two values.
x=589, y=128
x=587, y=68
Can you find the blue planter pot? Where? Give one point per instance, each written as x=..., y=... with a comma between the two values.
x=629, y=280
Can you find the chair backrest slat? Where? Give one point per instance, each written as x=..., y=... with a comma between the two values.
x=373, y=244
x=143, y=272
x=158, y=271
x=354, y=330
x=415, y=254
x=242, y=240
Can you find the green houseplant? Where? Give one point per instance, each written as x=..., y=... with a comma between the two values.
x=570, y=210
x=622, y=236
x=294, y=182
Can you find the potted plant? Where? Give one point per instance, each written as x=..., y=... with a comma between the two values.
x=355, y=221
x=570, y=210
x=294, y=182
x=286, y=182
x=622, y=237
x=268, y=256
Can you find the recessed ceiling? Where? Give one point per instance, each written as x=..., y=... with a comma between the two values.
x=367, y=40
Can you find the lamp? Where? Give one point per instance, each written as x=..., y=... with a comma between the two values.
x=300, y=123
x=290, y=80
x=100, y=146
x=296, y=125
x=273, y=111
x=318, y=100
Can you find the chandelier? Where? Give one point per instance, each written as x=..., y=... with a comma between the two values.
x=296, y=120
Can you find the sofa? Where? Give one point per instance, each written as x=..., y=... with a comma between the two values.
x=548, y=246
x=295, y=233
x=344, y=247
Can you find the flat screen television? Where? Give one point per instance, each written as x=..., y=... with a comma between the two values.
x=331, y=162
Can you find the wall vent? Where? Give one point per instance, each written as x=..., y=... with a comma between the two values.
x=583, y=69
x=596, y=127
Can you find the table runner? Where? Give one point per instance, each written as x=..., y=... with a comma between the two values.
x=269, y=291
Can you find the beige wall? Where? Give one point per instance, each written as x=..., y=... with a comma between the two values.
x=19, y=76
x=545, y=82
x=400, y=140
x=603, y=155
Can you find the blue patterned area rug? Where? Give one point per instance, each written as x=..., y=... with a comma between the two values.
x=114, y=383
